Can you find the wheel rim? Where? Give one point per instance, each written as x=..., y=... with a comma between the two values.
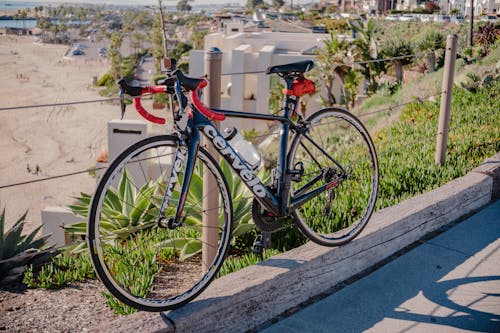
x=147, y=266
x=336, y=216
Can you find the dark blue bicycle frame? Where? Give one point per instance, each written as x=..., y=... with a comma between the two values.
x=279, y=203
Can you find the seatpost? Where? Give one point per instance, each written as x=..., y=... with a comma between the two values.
x=282, y=185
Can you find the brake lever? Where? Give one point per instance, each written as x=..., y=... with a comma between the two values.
x=123, y=106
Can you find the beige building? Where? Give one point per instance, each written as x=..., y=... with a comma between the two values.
x=251, y=52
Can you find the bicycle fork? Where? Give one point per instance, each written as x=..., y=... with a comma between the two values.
x=184, y=158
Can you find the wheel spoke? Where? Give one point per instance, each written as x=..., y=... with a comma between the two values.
x=144, y=265
x=335, y=145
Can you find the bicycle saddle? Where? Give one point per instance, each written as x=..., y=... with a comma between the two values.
x=294, y=67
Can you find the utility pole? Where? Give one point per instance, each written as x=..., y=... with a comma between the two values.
x=167, y=63
x=164, y=35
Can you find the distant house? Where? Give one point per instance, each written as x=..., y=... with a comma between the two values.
x=482, y=7
x=19, y=31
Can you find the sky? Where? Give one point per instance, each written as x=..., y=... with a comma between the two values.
x=139, y=2
x=124, y=2
x=142, y=2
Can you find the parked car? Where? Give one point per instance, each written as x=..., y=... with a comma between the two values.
x=78, y=52
x=489, y=18
x=392, y=17
x=319, y=30
x=425, y=17
x=408, y=18
x=442, y=18
x=458, y=19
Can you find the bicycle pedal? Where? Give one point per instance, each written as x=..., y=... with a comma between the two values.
x=258, y=245
x=297, y=172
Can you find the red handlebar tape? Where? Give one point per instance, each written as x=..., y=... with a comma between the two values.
x=210, y=114
x=142, y=111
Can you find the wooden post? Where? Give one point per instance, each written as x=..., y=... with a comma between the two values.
x=447, y=90
x=470, y=34
x=210, y=234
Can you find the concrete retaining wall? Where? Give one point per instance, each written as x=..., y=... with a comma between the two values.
x=249, y=297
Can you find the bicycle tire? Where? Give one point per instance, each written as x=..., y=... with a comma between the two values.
x=145, y=266
x=336, y=216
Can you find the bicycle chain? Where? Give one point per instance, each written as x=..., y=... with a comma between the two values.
x=264, y=222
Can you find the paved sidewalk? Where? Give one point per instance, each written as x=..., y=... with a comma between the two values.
x=450, y=283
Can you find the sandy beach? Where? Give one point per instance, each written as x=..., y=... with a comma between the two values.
x=41, y=142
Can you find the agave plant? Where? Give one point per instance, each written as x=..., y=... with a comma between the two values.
x=18, y=250
x=121, y=220
x=126, y=211
x=242, y=216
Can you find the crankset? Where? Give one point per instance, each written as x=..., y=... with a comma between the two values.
x=265, y=221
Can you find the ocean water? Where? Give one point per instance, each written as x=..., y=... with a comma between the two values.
x=4, y=5
x=28, y=24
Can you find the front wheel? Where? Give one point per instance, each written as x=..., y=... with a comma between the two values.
x=335, y=149
x=155, y=266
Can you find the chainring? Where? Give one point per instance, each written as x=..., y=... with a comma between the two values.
x=263, y=219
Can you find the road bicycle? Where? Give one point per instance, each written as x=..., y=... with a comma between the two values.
x=161, y=219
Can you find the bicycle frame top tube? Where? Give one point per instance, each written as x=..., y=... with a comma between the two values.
x=278, y=203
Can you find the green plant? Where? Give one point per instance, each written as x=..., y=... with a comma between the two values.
x=400, y=51
x=473, y=83
x=486, y=36
x=473, y=138
x=275, y=94
x=63, y=269
x=106, y=80
x=335, y=61
x=18, y=250
x=126, y=211
x=250, y=135
x=235, y=263
x=241, y=212
x=431, y=42
x=367, y=48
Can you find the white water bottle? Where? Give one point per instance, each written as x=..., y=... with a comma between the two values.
x=244, y=148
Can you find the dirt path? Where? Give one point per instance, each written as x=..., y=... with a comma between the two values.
x=78, y=308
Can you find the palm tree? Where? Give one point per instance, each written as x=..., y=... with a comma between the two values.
x=352, y=80
x=157, y=40
x=433, y=40
x=114, y=54
x=367, y=51
x=136, y=41
x=400, y=51
x=335, y=60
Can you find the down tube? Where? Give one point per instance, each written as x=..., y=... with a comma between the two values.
x=260, y=191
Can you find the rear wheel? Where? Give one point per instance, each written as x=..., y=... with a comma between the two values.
x=151, y=266
x=335, y=149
